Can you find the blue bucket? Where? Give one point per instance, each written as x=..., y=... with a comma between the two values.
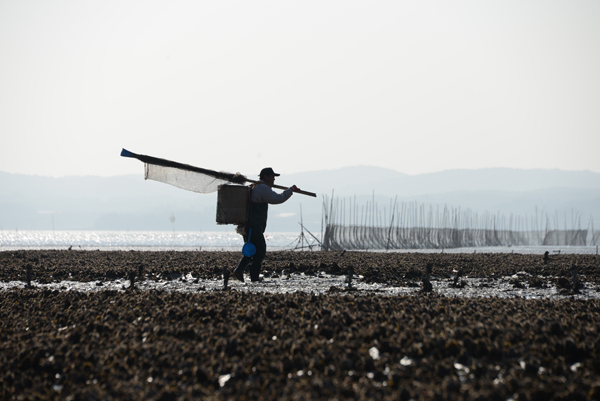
x=249, y=249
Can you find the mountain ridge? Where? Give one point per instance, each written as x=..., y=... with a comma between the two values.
x=128, y=202
x=440, y=182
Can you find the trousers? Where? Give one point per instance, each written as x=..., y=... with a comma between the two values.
x=253, y=263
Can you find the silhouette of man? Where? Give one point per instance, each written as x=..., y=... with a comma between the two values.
x=261, y=195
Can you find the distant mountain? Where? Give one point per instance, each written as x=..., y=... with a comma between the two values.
x=131, y=203
x=100, y=203
x=364, y=180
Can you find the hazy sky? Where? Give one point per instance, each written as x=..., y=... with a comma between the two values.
x=414, y=86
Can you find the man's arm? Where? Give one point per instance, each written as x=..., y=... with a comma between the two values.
x=262, y=193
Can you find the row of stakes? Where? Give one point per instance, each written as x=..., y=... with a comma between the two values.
x=425, y=287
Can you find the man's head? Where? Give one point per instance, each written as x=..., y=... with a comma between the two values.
x=268, y=175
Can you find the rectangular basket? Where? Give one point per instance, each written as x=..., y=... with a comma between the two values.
x=232, y=204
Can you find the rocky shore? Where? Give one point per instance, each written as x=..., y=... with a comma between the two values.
x=160, y=345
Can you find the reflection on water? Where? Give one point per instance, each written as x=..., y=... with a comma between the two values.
x=136, y=240
x=324, y=283
x=211, y=241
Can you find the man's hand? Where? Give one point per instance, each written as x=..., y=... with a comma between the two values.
x=295, y=188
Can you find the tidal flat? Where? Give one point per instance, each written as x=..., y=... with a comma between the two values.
x=128, y=341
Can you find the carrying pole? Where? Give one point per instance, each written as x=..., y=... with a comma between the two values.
x=284, y=188
x=233, y=178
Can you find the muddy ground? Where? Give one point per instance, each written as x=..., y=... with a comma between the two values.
x=395, y=269
x=341, y=345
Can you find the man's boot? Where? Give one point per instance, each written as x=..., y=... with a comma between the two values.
x=239, y=270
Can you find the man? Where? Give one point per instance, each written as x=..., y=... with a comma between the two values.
x=260, y=197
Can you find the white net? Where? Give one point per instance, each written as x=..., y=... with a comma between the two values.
x=184, y=179
x=189, y=177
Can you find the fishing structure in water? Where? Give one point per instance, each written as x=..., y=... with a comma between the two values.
x=412, y=225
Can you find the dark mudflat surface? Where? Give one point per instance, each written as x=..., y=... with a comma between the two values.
x=341, y=345
x=396, y=269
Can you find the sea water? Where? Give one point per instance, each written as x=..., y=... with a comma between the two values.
x=137, y=240
x=214, y=241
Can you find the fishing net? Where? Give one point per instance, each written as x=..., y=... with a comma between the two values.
x=413, y=226
x=187, y=177
x=566, y=237
x=184, y=179
x=191, y=178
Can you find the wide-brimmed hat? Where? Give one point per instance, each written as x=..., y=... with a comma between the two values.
x=268, y=171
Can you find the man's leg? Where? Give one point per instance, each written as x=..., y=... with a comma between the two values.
x=258, y=241
x=239, y=270
x=246, y=260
